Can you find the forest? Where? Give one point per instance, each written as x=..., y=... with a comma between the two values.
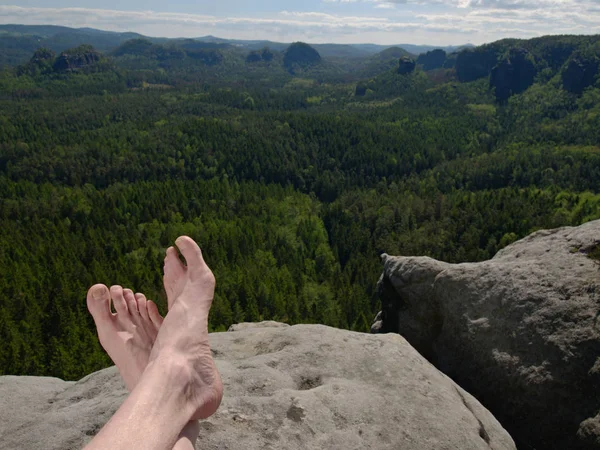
x=294, y=171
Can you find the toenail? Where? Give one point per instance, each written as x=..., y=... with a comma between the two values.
x=99, y=293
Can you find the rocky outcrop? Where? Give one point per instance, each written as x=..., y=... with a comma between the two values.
x=251, y=325
x=513, y=75
x=300, y=387
x=41, y=63
x=361, y=89
x=432, y=60
x=300, y=54
x=580, y=72
x=406, y=66
x=253, y=57
x=265, y=55
x=43, y=56
x=472, y=64
x=450, y=62
x=521, y=332
x=76, y=59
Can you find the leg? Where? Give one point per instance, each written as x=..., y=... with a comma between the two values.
x=154, y=414
x=129, y=334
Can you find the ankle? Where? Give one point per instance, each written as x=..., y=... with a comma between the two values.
x=175, y=368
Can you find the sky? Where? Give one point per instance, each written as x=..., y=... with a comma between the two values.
x=388, y=22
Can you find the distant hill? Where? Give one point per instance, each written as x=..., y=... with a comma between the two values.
x=410, y=48
x=18, y=42
x=513, y=65
x=391, y=53
x=340, y=51
x=419, y=49
x=509, y=67
x=384, y=61
x=247, y=45
x=143, y=53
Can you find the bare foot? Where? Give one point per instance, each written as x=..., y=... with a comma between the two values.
x=183, y=337
x=128, y=335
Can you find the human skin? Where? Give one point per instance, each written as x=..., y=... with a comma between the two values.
x=167, y=364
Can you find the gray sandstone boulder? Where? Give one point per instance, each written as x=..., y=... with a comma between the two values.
x=300, y=387
x=521, y=332
x=264, y=324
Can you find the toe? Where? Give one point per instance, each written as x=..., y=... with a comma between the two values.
x=116, y=292
x=174, y=270
x=196, y=266
x=190, y=251
x=98, y=303
x=153, y=313
x=141, y=305
x=132, y=306
x=172, y=261
x=131, y=302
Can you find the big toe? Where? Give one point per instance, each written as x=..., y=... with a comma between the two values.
x=98, y=303
x=197, y=268
x=191, y=252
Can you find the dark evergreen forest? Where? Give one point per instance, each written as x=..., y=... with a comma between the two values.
x=293, y=172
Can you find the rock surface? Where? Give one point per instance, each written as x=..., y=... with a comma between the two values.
x=300, y=387
x=249, y=325
x=521, y=332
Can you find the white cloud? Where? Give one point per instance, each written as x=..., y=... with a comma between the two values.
x=492, y=19
x=451, y=22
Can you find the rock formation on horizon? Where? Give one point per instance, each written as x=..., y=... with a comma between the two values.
x=433, y=59
x=301, y=55
x=300, y=387
x=406, y=65
x=265, y=55
x=581, y=71
x=76, y=59
x=513, y=74
x=521, y=332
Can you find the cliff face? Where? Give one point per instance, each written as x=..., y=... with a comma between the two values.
x=513, y=75
x=301, y=387
x=521, y=331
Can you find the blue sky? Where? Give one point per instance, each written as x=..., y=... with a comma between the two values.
x=435, y=22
